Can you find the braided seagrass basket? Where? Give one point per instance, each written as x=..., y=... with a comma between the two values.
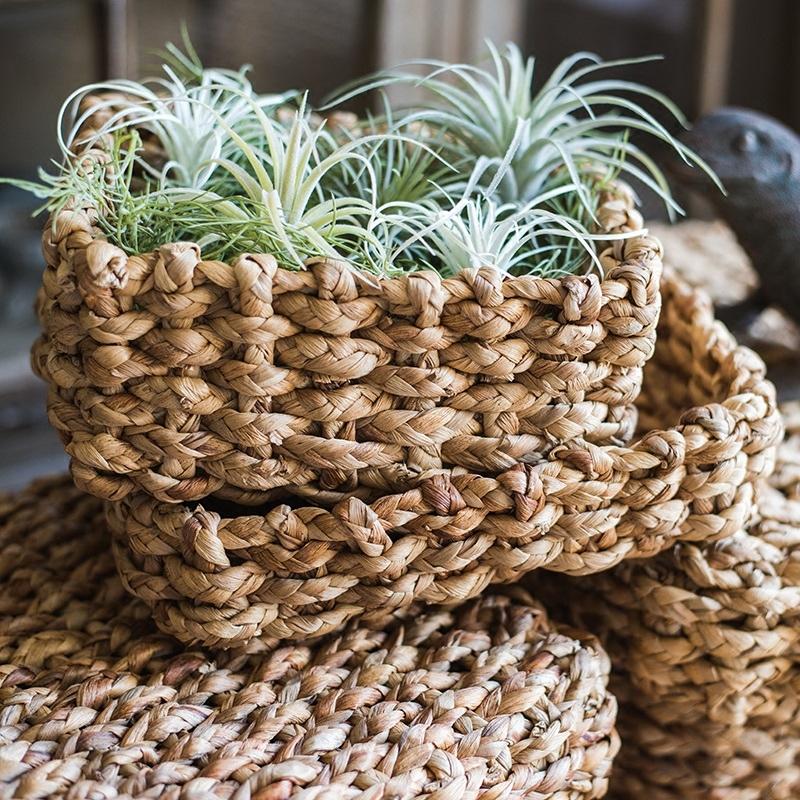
x=222, y=574
x=707, y=626
x=485, y=702
x=719, y=714
x=705, y=641
x=181, y=378
x=708, y=761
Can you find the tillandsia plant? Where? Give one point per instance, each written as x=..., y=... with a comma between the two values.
x=576, y=121
x=488, y=172
x=188, y=112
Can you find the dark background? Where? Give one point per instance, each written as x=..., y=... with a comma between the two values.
x=741, y=52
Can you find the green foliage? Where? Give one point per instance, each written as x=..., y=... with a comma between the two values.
x=488, y=172
x=570, y=123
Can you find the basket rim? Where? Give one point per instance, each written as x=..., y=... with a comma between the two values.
x=641, y=254
x=617, y=199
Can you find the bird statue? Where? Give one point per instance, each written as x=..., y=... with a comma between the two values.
x=757, y=159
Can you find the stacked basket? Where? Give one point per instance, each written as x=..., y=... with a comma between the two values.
x=706, y=645
x=443, y=434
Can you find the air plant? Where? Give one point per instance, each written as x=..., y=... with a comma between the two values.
x=285, y=181
x=486, y=173
x=402, y=163
x=189, y=112
x=141, y=221
x=504, y=236
x=477, y=231
x=577, y=119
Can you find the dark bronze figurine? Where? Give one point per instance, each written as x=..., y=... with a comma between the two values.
x=758, y=160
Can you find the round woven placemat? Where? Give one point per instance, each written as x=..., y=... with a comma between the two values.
x=487, y=701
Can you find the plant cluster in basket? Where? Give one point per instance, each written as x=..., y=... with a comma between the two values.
x=321, y=364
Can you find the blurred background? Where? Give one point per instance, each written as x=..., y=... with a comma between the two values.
x=716, y=52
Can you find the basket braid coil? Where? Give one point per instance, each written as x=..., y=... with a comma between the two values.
x=222, y=575
x=485, y=702
x=706, y=641
x=759, y=760
x=180, y=378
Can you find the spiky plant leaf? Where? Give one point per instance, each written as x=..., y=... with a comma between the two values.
x=570, y=123
x=182, y=110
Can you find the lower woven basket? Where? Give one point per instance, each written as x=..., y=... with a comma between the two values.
x=705, y=641
x=488, y=701
x=757, y=761
x=221, y=575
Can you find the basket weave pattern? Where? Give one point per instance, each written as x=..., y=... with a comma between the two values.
x=221, y=578
x=489, y=701
x=756, y=761
x=706, y=646
x=180, y=378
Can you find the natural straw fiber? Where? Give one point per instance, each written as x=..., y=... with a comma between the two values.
x=759, y=761
x=222, y=575
x=706, y=627
x=488, y=701
x=706, y=645
x=740, y=677
x=180, y=378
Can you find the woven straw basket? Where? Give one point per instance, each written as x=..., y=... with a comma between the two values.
x=486, y=702
x=707, y=761
x=182, y=378
x=707, y=627
x=706, y=644
x=215, y=575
